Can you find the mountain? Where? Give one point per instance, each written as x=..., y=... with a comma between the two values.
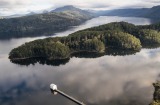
x=15, y=16
x=66, y=8
x=153, y=12
x=125, y=12
x=31, y=13
x=42, y=24
x=73, y=11
x=19, y=15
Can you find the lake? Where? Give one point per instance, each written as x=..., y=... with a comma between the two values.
x=112, y=80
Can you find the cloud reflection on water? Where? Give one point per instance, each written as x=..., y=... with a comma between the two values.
x=103, y=80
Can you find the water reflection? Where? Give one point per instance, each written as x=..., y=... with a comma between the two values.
x=151, y=46
x=43, y=61
x=111, y=52
x=122, y=80
x=119, y=52
x=84, y=54
x=155, y=20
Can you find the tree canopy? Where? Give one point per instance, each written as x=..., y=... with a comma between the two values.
x=116, y=35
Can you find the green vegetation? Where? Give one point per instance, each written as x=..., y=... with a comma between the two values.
x=41, y=24
x=93, y=45
x=41, y=48
x=116, y=35
x=148, y=36
x=156, y=95
x=122, y=40
x=155, y=26
x=41, y=60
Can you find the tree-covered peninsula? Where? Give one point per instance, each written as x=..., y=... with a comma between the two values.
x=116, y=35
x=43, y=24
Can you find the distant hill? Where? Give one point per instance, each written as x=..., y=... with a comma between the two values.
x=153, y=12
x=42, y=24
x=126, y=12
x=73, y=11
x=66, y=8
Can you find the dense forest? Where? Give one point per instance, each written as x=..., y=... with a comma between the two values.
x=61, y=19
x=116, y=35
x=42, y=24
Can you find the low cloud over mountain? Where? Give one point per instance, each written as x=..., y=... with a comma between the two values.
x=9, y=7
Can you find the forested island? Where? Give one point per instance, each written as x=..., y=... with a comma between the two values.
x=116, y=35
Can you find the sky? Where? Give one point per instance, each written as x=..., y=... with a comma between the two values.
x=10, y=7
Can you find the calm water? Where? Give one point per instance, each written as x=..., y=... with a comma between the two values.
x=112, y=80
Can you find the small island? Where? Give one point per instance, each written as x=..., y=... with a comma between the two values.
x=116, y=35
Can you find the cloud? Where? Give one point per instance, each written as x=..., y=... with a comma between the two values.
x=153, y=1
x=106, y=79
x=13, y=3
x=22, y=6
